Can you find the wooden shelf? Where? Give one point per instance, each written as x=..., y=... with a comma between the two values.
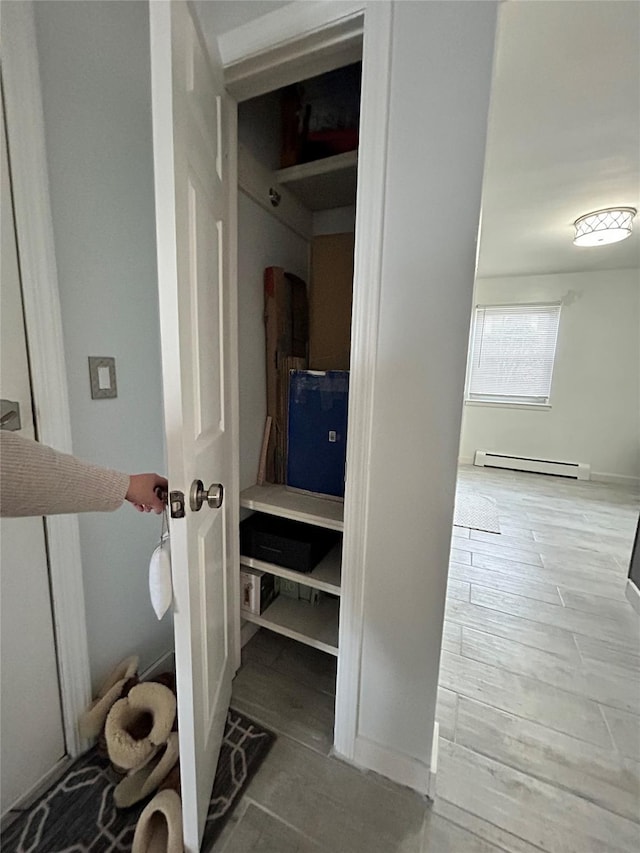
x=313, y=624
x=325, y=576
x=323, y=184
x=279, y=501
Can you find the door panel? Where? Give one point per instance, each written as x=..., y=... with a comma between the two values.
x=204, y=274
x=31, y=718
x=197, y=319
x=212, y=599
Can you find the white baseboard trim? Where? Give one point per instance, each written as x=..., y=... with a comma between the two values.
x=396, y=766
x=620, y=479
x=633, y=595
x=247, y=631
x=165, y=663
x=465, y=460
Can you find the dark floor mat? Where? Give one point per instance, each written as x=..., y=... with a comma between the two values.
x=77, y=814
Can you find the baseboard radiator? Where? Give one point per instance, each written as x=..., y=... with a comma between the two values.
x=573, y=470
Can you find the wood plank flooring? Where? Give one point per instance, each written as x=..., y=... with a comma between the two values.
x=538, y=704
x=540, y=733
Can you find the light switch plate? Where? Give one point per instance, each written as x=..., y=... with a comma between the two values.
x=10, y=415
x=102, y=375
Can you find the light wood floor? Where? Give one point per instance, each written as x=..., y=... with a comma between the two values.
x=538, y=706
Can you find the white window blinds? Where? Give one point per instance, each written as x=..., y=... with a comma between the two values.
x=512, y=353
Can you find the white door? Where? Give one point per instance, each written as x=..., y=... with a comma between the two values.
x=31, y=732
x=191, y=127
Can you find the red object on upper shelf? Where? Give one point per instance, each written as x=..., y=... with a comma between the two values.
x=320, y=116
x=327, y=143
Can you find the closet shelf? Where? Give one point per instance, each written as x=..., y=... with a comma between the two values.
x=313, y=624
x=323, y=184
x=279, y=501
x=325, y=576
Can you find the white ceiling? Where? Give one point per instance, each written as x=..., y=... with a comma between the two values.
x=564, y=135
x=564, y=129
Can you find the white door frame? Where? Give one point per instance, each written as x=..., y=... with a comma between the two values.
x=301, y=40
x=43, y=318
x=306, y=39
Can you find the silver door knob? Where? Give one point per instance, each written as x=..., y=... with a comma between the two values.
x=214, y=495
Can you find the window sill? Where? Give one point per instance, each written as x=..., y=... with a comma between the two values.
x=504, y=405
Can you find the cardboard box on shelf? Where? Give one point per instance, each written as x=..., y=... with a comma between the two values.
x=330, y=298
x=286, y=317
x=257, y=590
x=298, y=591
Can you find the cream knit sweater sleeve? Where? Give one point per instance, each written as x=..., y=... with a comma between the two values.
x=37, y=480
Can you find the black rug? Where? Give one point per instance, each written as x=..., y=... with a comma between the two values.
x=77, y=814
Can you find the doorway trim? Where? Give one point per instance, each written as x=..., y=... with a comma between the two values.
x=282, y=47
x=260, y=69
x=43, y=319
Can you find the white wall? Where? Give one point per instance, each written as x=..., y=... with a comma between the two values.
x=94, y=62
x=595, y=396
x=260, y=128
x=440, y=82
x=263, y=241
x=338, y=220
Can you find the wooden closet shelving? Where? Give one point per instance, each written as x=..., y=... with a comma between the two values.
x=313, y=624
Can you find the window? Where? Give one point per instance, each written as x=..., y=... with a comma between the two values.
x=512, y=352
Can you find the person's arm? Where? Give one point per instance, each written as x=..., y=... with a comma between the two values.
x=37, y=480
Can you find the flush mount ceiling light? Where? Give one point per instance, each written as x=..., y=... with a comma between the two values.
x=604, y=226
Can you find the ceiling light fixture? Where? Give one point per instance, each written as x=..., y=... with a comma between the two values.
x=604, y=226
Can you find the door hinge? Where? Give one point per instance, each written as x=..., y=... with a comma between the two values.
x=176, y=502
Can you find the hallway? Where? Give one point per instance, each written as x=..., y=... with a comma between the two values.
x=538, y=703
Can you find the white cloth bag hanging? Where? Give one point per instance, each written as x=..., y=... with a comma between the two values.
x=160, y=585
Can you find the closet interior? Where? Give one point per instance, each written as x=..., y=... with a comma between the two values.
x=297, y=171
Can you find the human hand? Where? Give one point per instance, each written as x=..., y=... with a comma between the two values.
x=143, y=492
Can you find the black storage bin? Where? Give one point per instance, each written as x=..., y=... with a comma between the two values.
x=291, y=544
